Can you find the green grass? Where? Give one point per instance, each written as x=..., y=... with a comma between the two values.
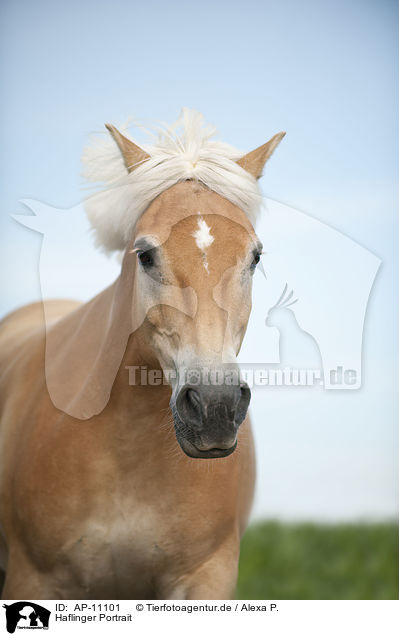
x=308, y=561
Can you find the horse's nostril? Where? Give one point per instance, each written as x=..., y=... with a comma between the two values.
x=242, y=407
x=193, y=398
x=244, y=387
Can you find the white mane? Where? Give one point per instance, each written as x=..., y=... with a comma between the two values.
x=185, y=150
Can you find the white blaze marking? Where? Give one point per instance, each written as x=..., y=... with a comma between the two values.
x=203, y=239
x=203, y=236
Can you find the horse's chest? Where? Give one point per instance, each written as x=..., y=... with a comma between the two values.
x=121, y=539
x=126, y=552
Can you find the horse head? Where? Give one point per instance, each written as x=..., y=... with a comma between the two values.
x=192, y=237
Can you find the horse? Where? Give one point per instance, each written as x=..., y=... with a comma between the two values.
x=126, y=472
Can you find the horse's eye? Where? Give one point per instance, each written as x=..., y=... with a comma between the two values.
x=255, y=260
x=146, y=258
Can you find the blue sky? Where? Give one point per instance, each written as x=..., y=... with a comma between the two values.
x=323, y=71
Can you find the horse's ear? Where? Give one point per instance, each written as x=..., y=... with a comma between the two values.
x=254, y=161
x=132, y=155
